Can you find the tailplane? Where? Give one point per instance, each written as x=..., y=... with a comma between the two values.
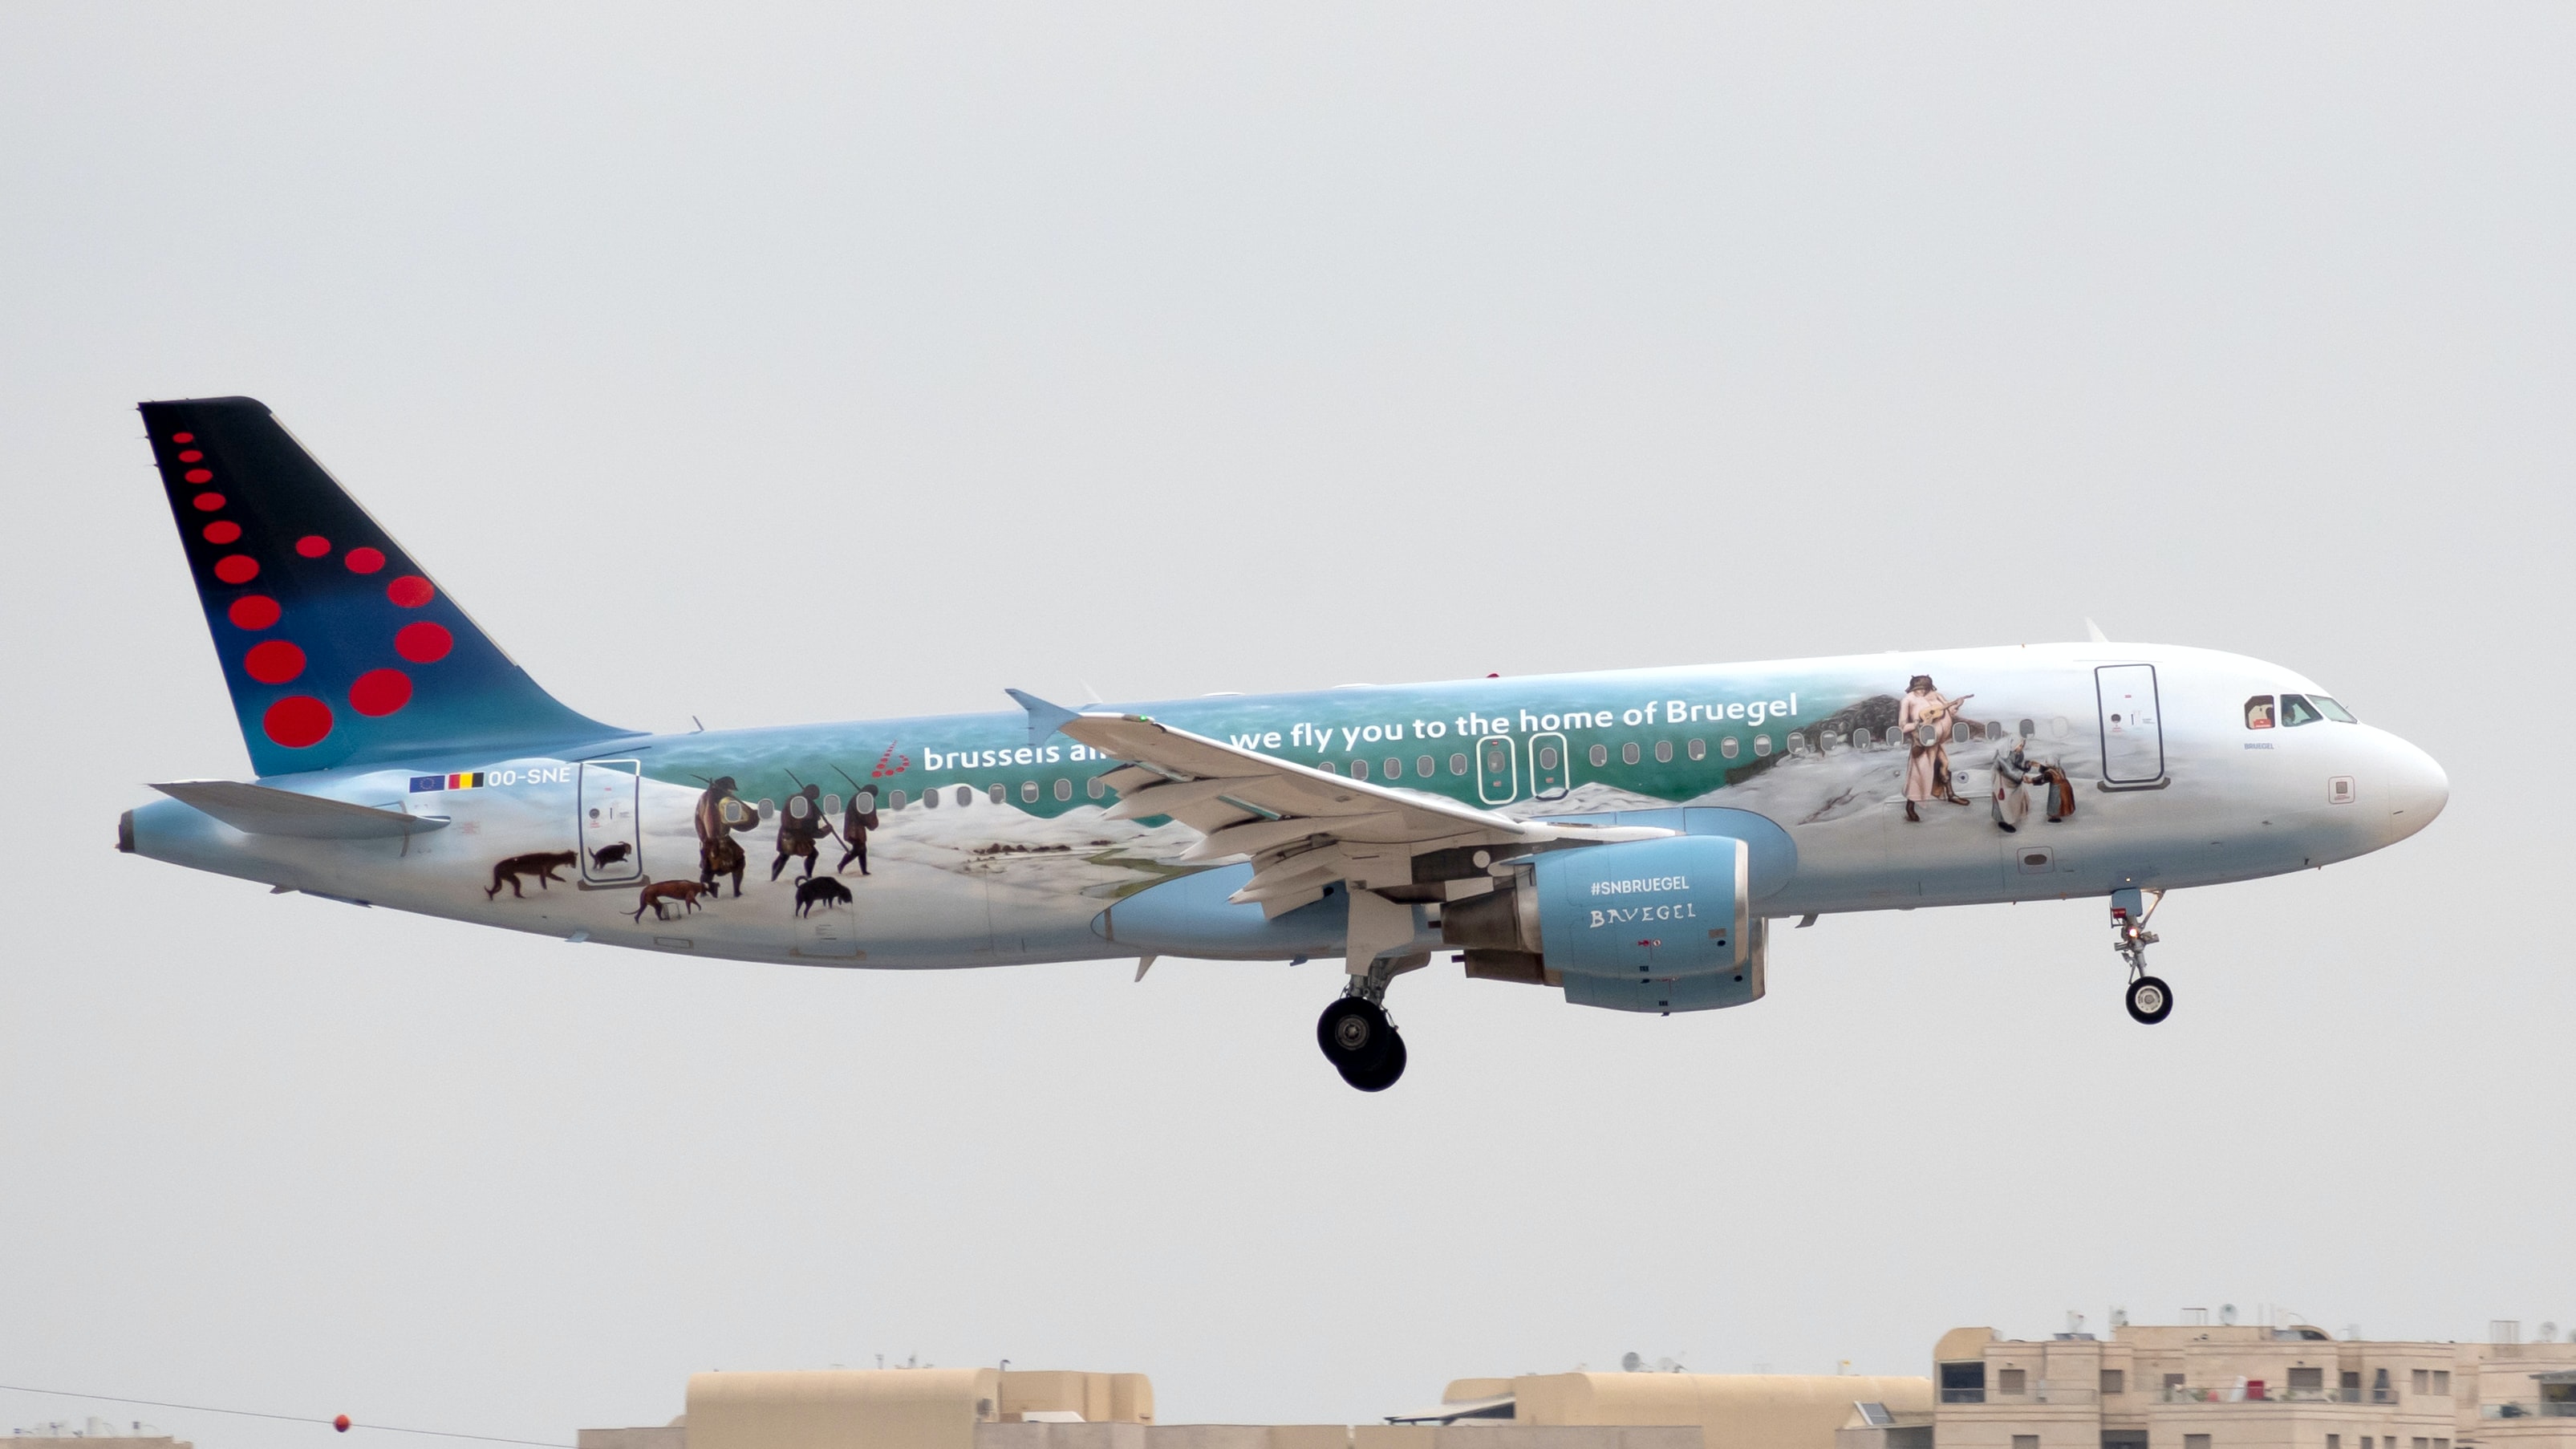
x=338, y=648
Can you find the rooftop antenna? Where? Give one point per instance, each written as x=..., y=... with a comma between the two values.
x=2119, y=1318
x=2227, y=1313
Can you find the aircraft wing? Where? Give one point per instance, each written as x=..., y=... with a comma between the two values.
x=1301, y=827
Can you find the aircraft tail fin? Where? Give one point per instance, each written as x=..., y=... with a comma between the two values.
x=338, y=648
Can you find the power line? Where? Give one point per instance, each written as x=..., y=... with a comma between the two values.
x=282, y=1418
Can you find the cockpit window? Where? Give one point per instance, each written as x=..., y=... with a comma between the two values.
x=2258, y=712
x=2332, y=710
x=2296, y=711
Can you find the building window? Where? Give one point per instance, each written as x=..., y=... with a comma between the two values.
x=1426, y=767
x=2307, y=1378
x=1093, y=788
x=2423, y=1381
x=2351, y=1388
x=2012, y=1381
x=2334, y=1441
x=2115, y=1381
x=1663, y=752
x=2025, y=1441
x=2195, y=1441
x=2420, y=1441
x=1628, y=754
x=1064, y=789
x=1457, y=764
x=2441, y=1381
x=1963, y=1383
x=1699, y=749
x=1600, y=756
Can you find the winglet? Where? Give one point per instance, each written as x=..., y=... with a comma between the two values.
x=1044, y=718
x=2093, y=633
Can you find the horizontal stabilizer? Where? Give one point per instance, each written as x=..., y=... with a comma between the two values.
x=259, y=810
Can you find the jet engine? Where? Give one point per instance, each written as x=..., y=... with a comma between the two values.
x=1650, y=925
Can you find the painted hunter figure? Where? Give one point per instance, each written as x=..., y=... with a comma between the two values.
x=720, y=813
x=798, y=824
x=1925, y=715
x=856, y=822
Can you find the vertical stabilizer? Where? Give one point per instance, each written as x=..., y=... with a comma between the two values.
x=338, y=647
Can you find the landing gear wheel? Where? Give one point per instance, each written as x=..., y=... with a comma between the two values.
x=1385, y=1073
x=1356, y=1037
x=2150, y=1000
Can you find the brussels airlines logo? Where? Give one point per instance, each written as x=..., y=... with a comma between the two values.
x=890, y=763
x=1635, y=915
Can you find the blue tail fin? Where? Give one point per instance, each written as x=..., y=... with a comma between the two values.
x=338, y=648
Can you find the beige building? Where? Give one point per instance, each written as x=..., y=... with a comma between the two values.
x=2233, y=1387
x=993, y=1409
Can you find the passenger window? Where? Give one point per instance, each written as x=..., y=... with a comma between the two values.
x=734, y=811
x=1394, y=768
x=894, y=799
x=1761, y=744
x=768, y=806
x=2296, y=711
x=1457, y=764
x=2258, y=712
x=1797, y=743
x=1727, y=747
x=2332, y=710
x=797, y=807
x=1628, y=754
x=2028, y=729
x=1663, y=752
x=1547, y=757
x=965, y=794
x=930, y=799
x=1028, y=792
x=1600, y=756
x=1329, y=768
x=1093, y=788
x=1064, y=789
x=1426, y=767
x=1001, y=793
x=1359, y=769
x=1699, y=749
x=1958, y=732
x=831, y=804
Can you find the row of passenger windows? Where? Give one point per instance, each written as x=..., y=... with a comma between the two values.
x=1030, y=793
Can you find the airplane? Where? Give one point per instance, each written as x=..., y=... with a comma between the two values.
x=1625, y=838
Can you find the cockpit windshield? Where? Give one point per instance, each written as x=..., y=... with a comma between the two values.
x=2303, y=709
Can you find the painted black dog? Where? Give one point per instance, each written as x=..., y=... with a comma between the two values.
x=820, y=888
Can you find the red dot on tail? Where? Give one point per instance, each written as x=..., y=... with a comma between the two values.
x=297, y=721
x=237, y=568
x=423, y=642
x=222, y=531
x=313, y=545
x=252, y=611
x=410, y=591
x=208, y=502
x=192, y=456
x=380, y=692
x=341, y=1423
x=183, y=437
x=198, y=475
x=364, y=560
x=273, y=661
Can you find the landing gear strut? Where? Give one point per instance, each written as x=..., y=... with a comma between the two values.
x=1357, y=1038
x=2150, y=1000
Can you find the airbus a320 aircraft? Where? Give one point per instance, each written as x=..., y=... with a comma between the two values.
x=1626, y=838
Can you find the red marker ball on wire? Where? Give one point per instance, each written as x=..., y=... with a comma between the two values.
x=341, y=1424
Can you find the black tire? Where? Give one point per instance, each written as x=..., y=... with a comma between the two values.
x=2150, y=1000
x=1354, y=1034
x=1386, y=1072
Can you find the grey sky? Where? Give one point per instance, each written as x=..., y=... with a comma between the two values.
x=807, y=364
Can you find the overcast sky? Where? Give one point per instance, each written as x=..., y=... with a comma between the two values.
x=769, y=365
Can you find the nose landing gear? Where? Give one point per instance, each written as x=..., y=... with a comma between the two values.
x=2150, y=1000
x=1355, y=1034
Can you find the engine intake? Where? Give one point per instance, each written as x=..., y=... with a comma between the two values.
x=1650, y=925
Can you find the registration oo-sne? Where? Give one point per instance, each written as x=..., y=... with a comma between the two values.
x=1626, y=838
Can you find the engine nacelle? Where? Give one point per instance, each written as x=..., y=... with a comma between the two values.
x=1651, y=925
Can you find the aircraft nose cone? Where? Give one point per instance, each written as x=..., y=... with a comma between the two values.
x=2417, y=789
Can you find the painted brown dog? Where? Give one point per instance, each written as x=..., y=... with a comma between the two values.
x=542, y=865
x=656, y=893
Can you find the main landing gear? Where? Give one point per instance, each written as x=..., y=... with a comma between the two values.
x=2150, y=1000
x=1357, y=1038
